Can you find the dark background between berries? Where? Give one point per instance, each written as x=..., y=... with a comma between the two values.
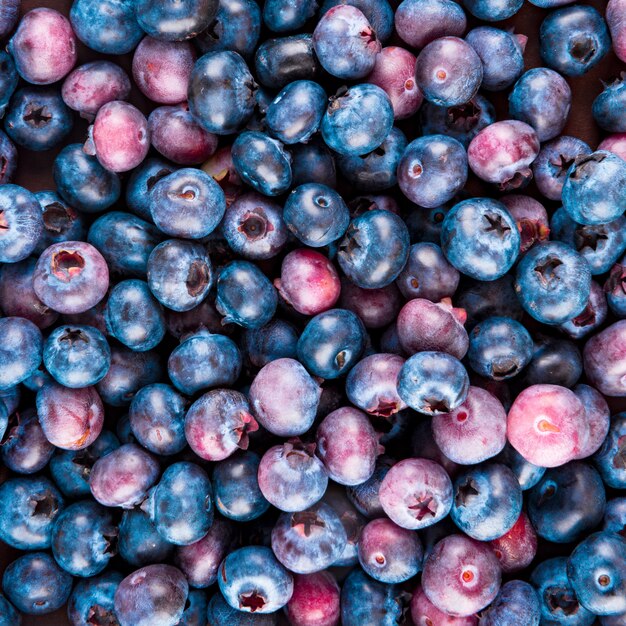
x=35, y=168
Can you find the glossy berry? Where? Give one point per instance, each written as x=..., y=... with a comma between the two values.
x=175, y=22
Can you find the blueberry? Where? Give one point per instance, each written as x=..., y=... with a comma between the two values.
x=608, y=107
x=574, y=39
x=276, y=340
x=492, y=11
x=237, y=493
x=77, y=356
x=480, y=238
x=8, y=158
x=21, y=223
x=20, y=353
x=516, y=600
x=609, y=459
x=25, y=449
x=220, y=613
x=554, y=362
x=94, y=599
x=141, y=181
x=313, y=162
x=60, y=221
x=175, y=21
x=593, y=314
x=109, y=27
x=418, y=22
x=378, y=13
x=32, y=506
x=280, y=16
x=8, y=19
x=36, y=585
x=139, y=543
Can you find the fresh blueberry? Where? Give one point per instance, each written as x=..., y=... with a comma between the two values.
x=20, y=352
x=378, y=13
x=21, y=223
x=25, y=449
x=139, y=543
x=94, y=600
x=418, y=22
x=516, y=602
x=175, y=21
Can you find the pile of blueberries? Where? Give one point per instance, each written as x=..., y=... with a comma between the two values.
x=265, y=358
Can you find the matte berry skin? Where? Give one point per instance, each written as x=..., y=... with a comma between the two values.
x=345, y=43
x=291, y=477
x=221, y=92
x=176, y=135
x=448, y=71
x=516, y=600
x=122, y=477
x=378, y=12
x=567, y=503
x=616, y=22
x=371, y=385
x=82, y=182
x=35, y=584
x=487, y=501
x=77, y=356
x=71, y=419
x=20, y=352
x=374, y=249
x=141, y=181
x=615, y=516
x=555, y=361
x=43, y=46
x=474, y=431
x=433, y=382
x=423, y=611
x=8, y=156
x=418, y=22
x=427, y=326
x=313, y=162
x=221, y=613
x=547, y=425
x=133, y=315
x=175, y=22
x=375, y=307
x=309, y=541
x=200, y=561
x=9, y=14
x=33, y=505
x=37, y=118
x=308, y=282
x=108, y=26
x=218, y=423
x=592, y=317
x=615, y=144
x=416, y=493
x=541, y=98
x=594, y=190
x=609, y=458
x=516, y=549
x=349, y=112
x=502, y=152
x=432, y=170
x=544, y=281
x=83, y=538
x=161, y=69
x=315, y=600
x=603, y=360
x=25, y=449
x=553, y=161
x=608, y=107
x=21, y=221
x=574, y=39
x=276, y=340
x=139, y=543
x=61, y=222
x=94, y=599
x=557, y=597
x=236, y=27
x=157, y=415
x=461, y=576
x=154, y=592
x=253, y=581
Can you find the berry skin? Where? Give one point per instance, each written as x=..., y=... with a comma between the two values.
x=502, y=152
x=567, y=503
x=433, y=383
x=544, y=282
x=424, y=611
x=32, y=506
x=220, y=613
x=375, y=307
x=418, y=22
x=218, y=423
x=389, y=553
x=603, y=360
x=598, y=418
x=345, y=43
x=374, y=249
x=517, y=548
x=36, y=585
x=92, y=85
x=252, y=580
x=615, y=20
x=416, y=493
x=291, y=477
x=547, y=425
x=123, y=477
x=20, y=221
x=71, y=277
x=276, y=340
x=461, y=576
x=592, y=317
x=474, y=431
x=315, y=600
x=609, y=460
x=139, y=543
x=516, y=602
x=20, y=352
x=152, y=594
x=25, y=449
x=175, y=22
x=43, y=46
x=309, y=541
x=8, y=152
x=608, y=107
x=480, y=238
x=94, y=599
x=348, y=446
x=432, y=170
x=448, y=72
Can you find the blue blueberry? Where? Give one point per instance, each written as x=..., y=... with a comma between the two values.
x=378, y=13
x=358, y=119
x=608, y=107
x=480, y=238
x=516, y=603
x=195, y=609
x=25, y=449
x=433, y=383
x=175, y=21
x=610, y=458
x=237, y=493
x=220, y=613
x=36, y=585
x=140, y=183
x=527, y=474
x=286, y=15
x=30, y=508
x=374, y=249
x=425, y=226
x=92, y=600
x=221, y=92
x=20, y=351
x=574, y=39
x=313, y=162
x=37, y=118
x=139, y=542
x=82, y=182
x=8, y=79
x=8, y=159
x=8, y=615
x=554, y=362
x=492, y=10
x=276, y=340
x=107, y=26
x=615, y=516
x=60, y=221
x=21, y=223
